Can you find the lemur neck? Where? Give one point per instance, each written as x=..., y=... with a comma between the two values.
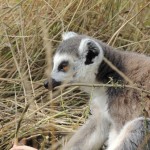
x=107, y=75
x=105, y=72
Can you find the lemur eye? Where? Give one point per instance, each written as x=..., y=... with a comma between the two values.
x=64, y=66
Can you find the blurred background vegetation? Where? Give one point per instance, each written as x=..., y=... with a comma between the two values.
x=30, y=31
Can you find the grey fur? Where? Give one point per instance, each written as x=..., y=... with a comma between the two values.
x=70, y=46
x=124, y=105
x=133, y=136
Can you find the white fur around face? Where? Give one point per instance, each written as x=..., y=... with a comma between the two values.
x=68, y=35
x=62, y=76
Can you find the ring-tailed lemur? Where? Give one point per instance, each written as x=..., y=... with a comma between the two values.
x=116, y=112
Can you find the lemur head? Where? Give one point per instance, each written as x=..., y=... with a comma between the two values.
x=76, y=60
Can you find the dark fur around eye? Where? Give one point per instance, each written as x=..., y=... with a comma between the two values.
x=62, y=65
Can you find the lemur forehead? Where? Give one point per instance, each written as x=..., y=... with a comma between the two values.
x=58, y=58
x=70, y=46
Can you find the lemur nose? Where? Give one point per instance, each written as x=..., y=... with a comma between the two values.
x=51, y=84
x=46, y=84
x=55, y=83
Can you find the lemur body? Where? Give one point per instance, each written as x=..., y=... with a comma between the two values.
x=116, y=112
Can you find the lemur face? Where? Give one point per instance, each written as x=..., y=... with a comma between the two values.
x=76, y=60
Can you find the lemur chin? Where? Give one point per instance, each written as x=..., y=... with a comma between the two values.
x=117, y=113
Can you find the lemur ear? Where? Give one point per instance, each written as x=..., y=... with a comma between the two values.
x=89, y=49
x=67, y=35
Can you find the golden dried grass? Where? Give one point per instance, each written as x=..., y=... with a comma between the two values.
x=25, y=56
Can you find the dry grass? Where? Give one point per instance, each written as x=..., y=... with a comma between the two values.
x=25, y=44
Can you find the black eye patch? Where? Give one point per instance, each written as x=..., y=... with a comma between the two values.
x=63, y=66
